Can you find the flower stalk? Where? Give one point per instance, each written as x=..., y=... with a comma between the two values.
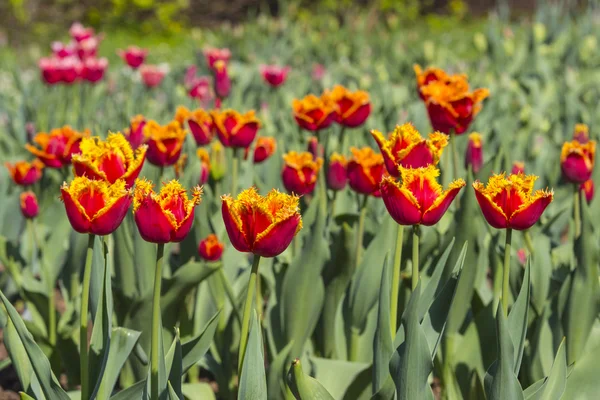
x=415, y=257
x=506, y=271
x=247, y=312
x=156, y=324
x=577, y=209
x=83, y=318
x=396, y=280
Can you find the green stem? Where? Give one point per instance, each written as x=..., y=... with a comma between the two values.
x=83, y=318
x=454, y=156
x=353, y=352
x=506, y=271
x=361, y=230
x=343, y=139
x=154, y=355
x=396, y=280
x=234, y=171
x=247, y=312
x=415, y=257
x=528, y=242
x=332, y=210
x=577, y=210
x=230, y=295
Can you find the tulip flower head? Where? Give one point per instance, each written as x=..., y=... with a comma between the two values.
x=430, y=74
x=164, y=142
x=200, y=124
x=95, y=206
x=29, y=205
x=133, y=56
x=80, y=32
x=166, y=216
x=418, y=198
x=263, y=225
x=94, y=69
x=135, y=132
x=300, y=172
x=365, y=170
x=274, y=75
x=235, y=129
x=588, y=190
x=577, y=160
x=509, y=201
x=353, y=108
x=25, y=173
x=314, y=113
x=210, y=249
x=263, y=149
x=406, y=147
x=204, y=165
x=581, y=133
x=55, y=149
x=109, y=160
x=337, y=174
x=474, y=153
x=213, y=55
x=152, y=75
x=314, y=147
x=518, y=167
x=222, y=81
x=62, y=50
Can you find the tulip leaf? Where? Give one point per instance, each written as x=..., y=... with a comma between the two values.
x=198, y=391
x=541, y=272
x=343, y=379
x=305, y=387
x=40, y=365
x=383, y=342
x=172, y=394
x=174, y=364
x=437, y=281
x=253, y=383
x=583, y=378
x=134, y=391
x=276, y=373
x=194, y=349
x=517, y=319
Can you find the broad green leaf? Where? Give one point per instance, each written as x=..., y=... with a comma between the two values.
x=194, y=349
x=557, y=380
x=172, y=394
x=39, y=363
x=343, y=379
x=175, y=366
x=132, y=392
x=437, y=281
x=198, y=391
x=383, y=343
x=583, y=379
x=253, y=381
x=122, y=342
x=276, y=373
x=303, y=386
x=517, y=319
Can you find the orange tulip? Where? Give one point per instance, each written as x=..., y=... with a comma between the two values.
x=431, y=74
x=418, y=199
x=25, y=173
x=263, y=225
x=164, y=142
x=508, y=202
x=56, y=148
x=264, y=148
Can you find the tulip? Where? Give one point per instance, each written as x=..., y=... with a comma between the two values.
x=234, y=129
x=29, y=205
x=274, y=75
x=80, y=32
x=204, y=165
x=524, y=208
x=25, y=173
x=200, y=124
x=221, y=79
x=314, y=113
x=474, y=153
x=200, y=88
x=581, y=133
x=62, y=50
x=109, y=160
x=152, y=75
x=314, y=147
x=49, y=70
x=431, y=74
x=577, y=160
x=353, y=108
x=94, y=69
x=365, y=170
x=166, y=216
x=55, y=149
x=213, y=55
x=407, y=148
x=95, y=206
x=88, y=48
x=210, y=249
x=263, y=225
x=134, y=56
x=264, y=148
x=587, y=188
x=135, y=132
x=337, y=175
x=70, y=69
x=164, y=142
x=300, y=172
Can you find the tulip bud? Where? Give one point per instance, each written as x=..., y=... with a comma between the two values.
x=337, y=175
x=218, y=164
x=522, y=256
x=210, y=249
x=581, y=133
x=204, y=165
x=587, y=188
x=518, y=168
x=222, y=82
x=29, y=205
x=314, y=147
x=474, y=153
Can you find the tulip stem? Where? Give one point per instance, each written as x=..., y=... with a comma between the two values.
x=360, y=232
x=83, y=317
x=396, y=280
x=454, y=156
x=154, y=355
x=415, y=257
x=506, y=271
x=247, y=312
x=234, y=171
x=577, y=210
x=528, y=242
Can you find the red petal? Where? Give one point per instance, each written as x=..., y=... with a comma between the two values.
x=76, y=215
x=245, y=135
x=575, y=169
x=152, y=223
x=234, y=231
x=109, y=221
x=492, y=213
x=184, y=228
x=529, y=214
x=277, y=238
x=399, y=204
x=419, y=156
x=437, y=210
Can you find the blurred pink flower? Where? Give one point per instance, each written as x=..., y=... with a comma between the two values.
x=134, y=56
x=88, y=48
x=213, y=55
x=61, y=50
x=221, y=79
x=274, y=75
x=152, y=75
x=70, y=69
x=94, y=69
x=318, y=72
x=198, y=87
x=49, y=69
x=80, y=32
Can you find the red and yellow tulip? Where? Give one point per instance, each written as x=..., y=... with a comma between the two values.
x=135, y=132
x=235, y=129
x=300, y=172
x=263, y=225
x=204, y=165
x=314, y=113
x=337, y=173
x=56, y=148
x=264, y=148
x=164, y=142
x=474, y=153
x=29, y=205
x=508, y=202
x=577, y=160
x=200, y=123
x=365, y=170
x=210, y=248
x=418, y=198
x=353, y=108
x=25, y=173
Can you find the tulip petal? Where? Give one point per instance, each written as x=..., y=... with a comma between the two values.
x=153, y=224
x=400, y=203
x=235, y=227
x=492, y=213
x=136, y=167
x=75, y=212
x=441, y=204
x=277, y=237
x=184, y=227
x=528, y=214
x=109, y=219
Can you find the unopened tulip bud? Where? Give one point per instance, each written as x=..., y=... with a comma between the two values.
x=518, y=168
x=337, y=174
x=204, y=165
x=314, y=147
x=210, y=249
x=29, y=205
x=222, y=81
x=581, y=133
x=474, y=153
x=588, y=189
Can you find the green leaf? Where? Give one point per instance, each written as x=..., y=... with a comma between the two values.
x=194, y=349
x=132, y=392
x=583, y=378
x=557, y=380
x=175, y=366
x=383, y=342
x=517, y=319
x=437, y=281
x=172, y=394
x=343, y=379
x=253, y=381
x=39, y=363
x=411, y=363
x=276, y=373
x=303, y=386
x=500, y=381
x=198, y=391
